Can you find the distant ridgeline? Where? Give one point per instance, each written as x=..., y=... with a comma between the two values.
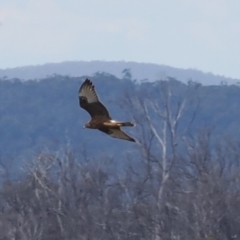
x=37, y=115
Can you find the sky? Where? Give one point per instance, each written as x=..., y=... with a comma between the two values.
x=197, y=34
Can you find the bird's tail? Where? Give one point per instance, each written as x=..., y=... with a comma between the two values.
x=127, y=124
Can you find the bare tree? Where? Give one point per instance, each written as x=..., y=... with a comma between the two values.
x=158, y=122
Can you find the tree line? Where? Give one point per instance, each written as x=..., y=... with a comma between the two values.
x=172, y=185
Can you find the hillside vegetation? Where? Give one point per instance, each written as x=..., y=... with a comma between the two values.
x=140, y=71
x=60, y=181
x=38, y=114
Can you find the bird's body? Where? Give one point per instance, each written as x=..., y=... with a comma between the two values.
x=100, y=117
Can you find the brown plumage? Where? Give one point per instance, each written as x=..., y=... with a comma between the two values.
x=101, y=119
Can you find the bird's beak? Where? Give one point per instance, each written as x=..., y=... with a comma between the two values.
x=84, y=127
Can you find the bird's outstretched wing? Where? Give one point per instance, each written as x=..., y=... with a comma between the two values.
x=89, y=101
x=117, y=133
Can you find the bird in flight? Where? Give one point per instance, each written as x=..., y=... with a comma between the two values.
x=100, y=118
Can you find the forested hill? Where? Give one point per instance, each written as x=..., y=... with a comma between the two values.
x=36, y=115
x=139, y=71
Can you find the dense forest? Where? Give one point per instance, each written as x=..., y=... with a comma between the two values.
x=60, y=181
x=45, y=114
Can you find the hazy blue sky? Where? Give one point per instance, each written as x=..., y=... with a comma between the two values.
x=201, y=34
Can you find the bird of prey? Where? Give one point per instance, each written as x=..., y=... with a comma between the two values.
x=100, y=118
